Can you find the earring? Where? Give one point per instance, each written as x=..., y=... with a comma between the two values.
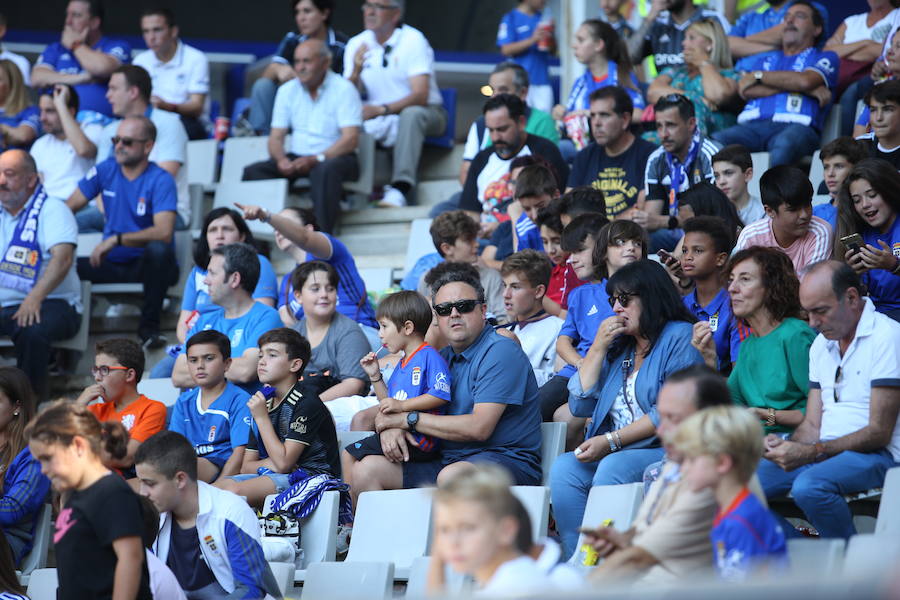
x=16, y=413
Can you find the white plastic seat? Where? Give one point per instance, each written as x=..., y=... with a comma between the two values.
x=201, y=162
x=832, y=127
x=871, y=555
x=271, y=194
x=816, y=171
x=420, y=243
x=284, y=575
x=317, y=533
x=160, y=389
x=536, y=499
x=454, y=583
x=761, y=162
x=37, y=558
x=617, y=502
x=349, y=581
x=809, y=556
x=553, y=444
x=888, y=521
x=43, y=584
x=240, y=152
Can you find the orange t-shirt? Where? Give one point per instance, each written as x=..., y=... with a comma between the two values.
x=142, y=418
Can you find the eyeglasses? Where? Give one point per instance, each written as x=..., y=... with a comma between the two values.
x=674, y=98
x=837, y=384
x=463, y=307
x=623, y=299
x=126, y=141
x=375, y=6
x=104, y=370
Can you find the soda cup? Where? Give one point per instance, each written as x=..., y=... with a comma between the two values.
x=545, y=44
x=577, y=129
x=223, y=126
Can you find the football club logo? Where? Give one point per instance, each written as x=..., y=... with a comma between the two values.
x=212, y=434
x=714, y=322
x=417, y=376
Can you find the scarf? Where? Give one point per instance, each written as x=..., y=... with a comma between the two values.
x=306, y=492
x=21, y=263
x=678, y=170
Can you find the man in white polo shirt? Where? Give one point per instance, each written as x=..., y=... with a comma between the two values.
x=849, y=437
x=180, y=73
x=323, y=111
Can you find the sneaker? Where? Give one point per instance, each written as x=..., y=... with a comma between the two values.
x=243, y=128
x=393, y=198
x=343, y=538
x=153, y=341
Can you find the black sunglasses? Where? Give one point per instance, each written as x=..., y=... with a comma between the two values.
x=127, y=142
x=463, y=307
x=624, y=299
x=384, y=58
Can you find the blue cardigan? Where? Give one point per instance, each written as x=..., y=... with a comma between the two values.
x=24, y=493
x=671, y=352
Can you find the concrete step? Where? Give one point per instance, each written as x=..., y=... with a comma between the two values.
x=370, y=216
x=429, y=193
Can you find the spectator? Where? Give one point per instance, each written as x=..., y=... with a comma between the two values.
x=212, y=416
x=219, y=554
x=884, y=107
x=19, y=120
x=180, y=73
x=297, y=233
x=66, y=152
x=859, y=39
x=393, y=65
x=231, y=277
x=683, y=160
x=789, y=224
x=139, y=217
x=614, y=163
x=493, y=415
x=10, y=588
x=487, y=182
x=39, y=289
x=562, y=277
x=612, y=14
x=313, y=20
x=24, y=488
x=848, y=438
x=721, y=448
x=763, y=291
x=129, y=93
x=526, y=275
x=706, y=77
x=886, y=68
x=869, y=207
x=578, y=201
x=324, y=114
x=118, y=367
x=20, y=61
x=705, y=199
x=333, y=371
x=838, y=157
x=163, y=583
x=83, y=58
x=506, y=78
x=662, y=32
x=733, y=170
x=100, y=552
x=786, y=92
x=759, y=32
x=598, y=47
x=524, y=36
x=535, y=188
x=617, y=385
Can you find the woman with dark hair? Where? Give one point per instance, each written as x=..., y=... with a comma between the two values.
x=10, y=588
x=24, y=489
x=868, y=205
x=648, y=338
x=771, y=375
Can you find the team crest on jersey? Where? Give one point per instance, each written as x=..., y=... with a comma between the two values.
x=142, y=207
x=417, y=376
x=896, y=249
x=128, y=422
x=212, y=434
x=714, y=322
x=210, y=542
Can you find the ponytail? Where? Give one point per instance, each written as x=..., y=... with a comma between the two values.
x=114, y=439
x=615, y=48
x=61, y=421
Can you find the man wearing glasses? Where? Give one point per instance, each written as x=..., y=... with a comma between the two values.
x=393, y=65
x=138, y=203
x=493, y=415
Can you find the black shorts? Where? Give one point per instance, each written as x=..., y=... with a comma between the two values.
x=372, y=446
x=421, y=474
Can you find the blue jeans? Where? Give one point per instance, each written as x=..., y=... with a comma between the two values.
x=786, y=143
x=262, y=101
x=855, y=92
x=571, y=482
x=818, y=488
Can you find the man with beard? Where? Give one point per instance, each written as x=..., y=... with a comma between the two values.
x=487, y=184
x=663, y=31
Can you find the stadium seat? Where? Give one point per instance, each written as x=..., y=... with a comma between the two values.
x=832, y=127
x=79, y=341
x=816, y=172
x=317, y=533
x=553, y=444
x=809, y=556
x=377, y=279
x=271, y=194
x=160, y=389
x=201, y=162
x=37, y=558
x=345, y=438
x=240, y=152
x=446, y=139
x=454, y=583
x=619, y=503
x=284, y=575
x=420, y=243
x=349, y=581
x=240, y=105
x=871, y=554
x=43, y=584
x=760, y=166
x=536, y=499
x=888, y=521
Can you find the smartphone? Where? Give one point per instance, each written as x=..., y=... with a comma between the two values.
x=853, y=242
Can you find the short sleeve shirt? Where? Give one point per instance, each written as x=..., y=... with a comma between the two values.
x=587, y=84
x=91, y=96
x=29, y=116
x=884, y=287
x=142, y=418
x=724, y=326
x=517, y=26
x=588, y=307
x=528, y=233
x=664, y=38
x=423, y=372
x=340, y=350
x=562, y=281
x=196, y=292
x=815, y=246
x=620, y=178
x=658, y=178
x=752, y=22
x=244, y=331
x=218, y=430
x=746, y=537
x=59, y=165
x=186, y=73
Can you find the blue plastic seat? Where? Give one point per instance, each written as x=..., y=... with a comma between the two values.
x=445, y=140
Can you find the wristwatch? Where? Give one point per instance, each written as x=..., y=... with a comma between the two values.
x=320, y=157
x=412, y=419
x=820, y=452
x=757, y=75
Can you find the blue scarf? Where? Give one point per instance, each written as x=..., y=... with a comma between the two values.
x=21, y=262
x=678, y=170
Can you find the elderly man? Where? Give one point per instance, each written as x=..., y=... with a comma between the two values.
x=139, y=219
x=393, y=64
x=493, y=415
x=324, y=114
x=40, y=297
x=849, y=437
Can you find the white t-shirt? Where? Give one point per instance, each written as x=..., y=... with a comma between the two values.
x=59, y=165
x=185, y=74
x=163, y=584
x=407, y=54
x=495, y=170
x=538, y=339
x=871, y=360
x=752, y=211
x=518, y=577
x=626, y=411
x=858, y=31
x=20, y=61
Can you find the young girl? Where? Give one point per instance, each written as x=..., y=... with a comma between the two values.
x=99, y=553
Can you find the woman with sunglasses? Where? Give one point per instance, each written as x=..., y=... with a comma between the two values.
x=634, y=351
x=771, y=375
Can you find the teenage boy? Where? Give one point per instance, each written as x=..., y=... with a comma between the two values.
x=290, y=432
x=213, y=416
x=118, y=367
x=721, y=447
x=526, y=275
x=562, y=277
x=208, y=537
x=704, y=254
x=838, y=156
x=790, y=225
x=733, y=170
x=883, y=141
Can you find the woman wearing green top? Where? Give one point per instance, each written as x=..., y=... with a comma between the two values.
x=771, y=375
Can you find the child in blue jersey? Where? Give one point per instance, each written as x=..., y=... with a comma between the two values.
x=536, y=187
x=421, y=382
x=522, y=37
x=720, y=448
x=213, y=416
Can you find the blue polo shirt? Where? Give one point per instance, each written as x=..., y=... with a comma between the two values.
x=826, y=211
x=752, y=22
x=495, y=370
x=129, y=205
x=218, y=430
x=517, y=26
x=588, y=307
x=884, y=288
x=722, y=323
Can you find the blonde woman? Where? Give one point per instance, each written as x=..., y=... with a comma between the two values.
x=19, y=119
x=707, y=77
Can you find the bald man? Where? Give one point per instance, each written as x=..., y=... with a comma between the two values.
x=40, y=296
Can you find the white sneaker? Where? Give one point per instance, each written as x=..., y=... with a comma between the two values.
x=393, y=198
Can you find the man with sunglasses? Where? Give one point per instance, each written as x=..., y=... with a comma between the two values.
x=139, y=203
x=493, y=415
x=849, y=436
x=392, y=64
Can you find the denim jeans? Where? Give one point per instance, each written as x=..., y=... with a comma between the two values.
x=818, y=488
x=262, y=101
x=571, y=482
x=786, y=143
